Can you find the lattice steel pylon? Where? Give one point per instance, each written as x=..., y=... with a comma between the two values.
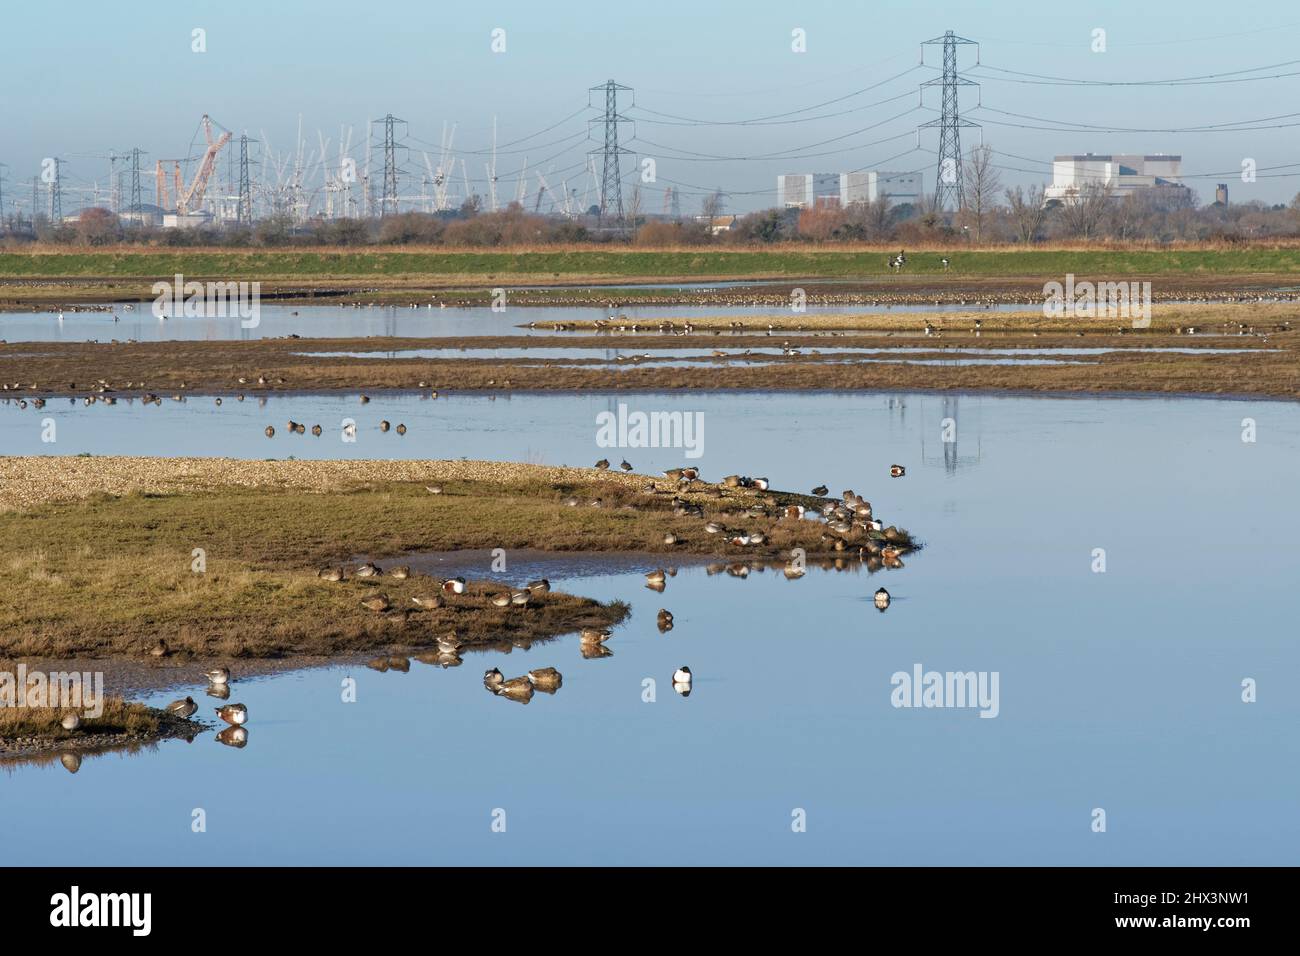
x=135, y=203
x=244, y=204
x=948, y=180
x=388, y=204
x=611, y=180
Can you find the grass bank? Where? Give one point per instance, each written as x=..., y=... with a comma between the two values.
x=103, y=562
x=606, y=264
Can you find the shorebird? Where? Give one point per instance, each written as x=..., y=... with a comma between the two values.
x=183, y=708
x=234, y=714
x=70, y=721
x=218, y=675
x=379, y=604
x=546, y=679
x=454, y=586
x=897, y=471
x=881, y=599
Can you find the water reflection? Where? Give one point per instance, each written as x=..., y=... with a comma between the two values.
x=1119, y=689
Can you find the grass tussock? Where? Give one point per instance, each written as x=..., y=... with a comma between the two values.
x=119, y=717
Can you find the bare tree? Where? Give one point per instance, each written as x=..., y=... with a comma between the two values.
x=1083, y=209
x=633, y=211
x=980, y=189
x=713, y=205
x=1028, y=212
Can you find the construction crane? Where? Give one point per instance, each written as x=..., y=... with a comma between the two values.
x=192, y=198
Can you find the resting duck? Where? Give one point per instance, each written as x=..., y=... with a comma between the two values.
x=546, y=679
x=183, y=708
x=234, y=714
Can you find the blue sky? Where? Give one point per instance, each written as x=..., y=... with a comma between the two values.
x=82, y=78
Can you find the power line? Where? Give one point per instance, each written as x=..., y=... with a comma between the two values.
x=1204, y=79
x=765, y=120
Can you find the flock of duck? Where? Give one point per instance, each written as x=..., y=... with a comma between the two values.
x=235, y=716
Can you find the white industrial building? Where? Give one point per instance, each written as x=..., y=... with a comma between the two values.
x=1125, y=174
x=871, y=186
x=804, y=190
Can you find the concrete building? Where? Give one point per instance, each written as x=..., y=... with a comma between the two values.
x=870, y=186
x=1125, y=174
x=804, y=190
x=192, y=220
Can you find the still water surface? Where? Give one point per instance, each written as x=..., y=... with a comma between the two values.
x=1119, y=690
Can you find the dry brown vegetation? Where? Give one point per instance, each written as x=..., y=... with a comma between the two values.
x=119, y=718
